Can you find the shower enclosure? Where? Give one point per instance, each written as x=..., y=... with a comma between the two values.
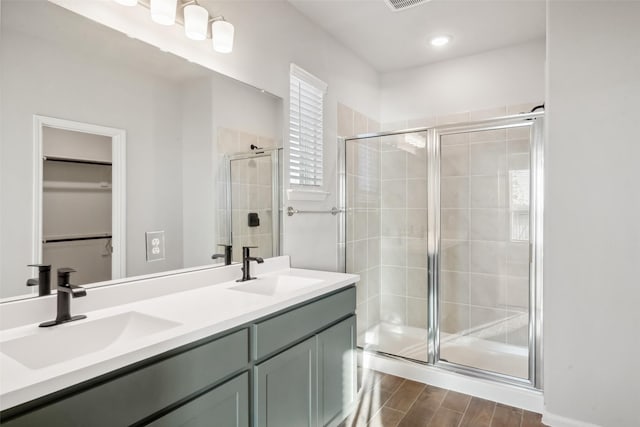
x=444, y=227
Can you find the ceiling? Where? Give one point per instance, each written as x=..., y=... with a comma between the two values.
x=390, y=41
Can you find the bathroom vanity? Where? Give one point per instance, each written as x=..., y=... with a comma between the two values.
x=275, y=351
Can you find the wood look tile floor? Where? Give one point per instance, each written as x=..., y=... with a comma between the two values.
x=389, y=401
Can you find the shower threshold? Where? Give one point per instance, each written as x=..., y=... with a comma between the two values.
x=411, y=343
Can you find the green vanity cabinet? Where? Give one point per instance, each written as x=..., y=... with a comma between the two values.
x=227, y=405
x=286, y=388
x=303, y=385
x=134, y=394
x=337, y=370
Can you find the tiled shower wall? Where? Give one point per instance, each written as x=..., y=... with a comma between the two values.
x=485, y=271
x=251, y=192
x=363, y=215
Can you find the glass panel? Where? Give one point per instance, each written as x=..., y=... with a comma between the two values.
x=484, y=250
x=251, y=210
x=386, y=197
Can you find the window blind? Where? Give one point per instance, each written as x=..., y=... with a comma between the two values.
x=305, y=128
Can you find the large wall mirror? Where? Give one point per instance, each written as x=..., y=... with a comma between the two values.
x=72, y=90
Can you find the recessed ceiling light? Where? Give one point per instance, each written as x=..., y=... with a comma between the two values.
x=440, y=41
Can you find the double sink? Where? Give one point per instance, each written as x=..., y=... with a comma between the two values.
x=45, y=347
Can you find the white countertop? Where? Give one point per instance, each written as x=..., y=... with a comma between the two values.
x=200, y=311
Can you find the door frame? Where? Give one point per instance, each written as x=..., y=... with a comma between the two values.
x=118, y=187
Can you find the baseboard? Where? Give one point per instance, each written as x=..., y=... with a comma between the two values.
x=554, y=420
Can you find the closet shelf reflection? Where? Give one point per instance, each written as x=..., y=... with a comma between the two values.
x=71, y=160
x=77, y=237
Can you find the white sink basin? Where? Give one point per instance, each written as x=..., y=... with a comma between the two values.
x=48, y=346
x=275, y=285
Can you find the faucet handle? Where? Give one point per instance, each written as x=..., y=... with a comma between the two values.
x=41, y=267
x=66, y=270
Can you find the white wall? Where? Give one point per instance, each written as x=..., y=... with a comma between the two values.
x=496, y=78
x=592, y=206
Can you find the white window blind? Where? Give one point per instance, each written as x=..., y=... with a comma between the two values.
x=305, y=128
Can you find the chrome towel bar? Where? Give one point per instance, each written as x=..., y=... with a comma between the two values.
x=334, y=211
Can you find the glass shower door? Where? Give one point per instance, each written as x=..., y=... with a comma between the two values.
x=483, y=244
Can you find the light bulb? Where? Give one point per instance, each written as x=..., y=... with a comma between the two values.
x=164, y=11
x=440, y=41
x=196, y=20
x=222, y=36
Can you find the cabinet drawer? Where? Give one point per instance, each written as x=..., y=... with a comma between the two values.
x=283, y=329
x=225, y=406
x=134, y=396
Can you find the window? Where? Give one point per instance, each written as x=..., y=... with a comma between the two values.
x=305, y=128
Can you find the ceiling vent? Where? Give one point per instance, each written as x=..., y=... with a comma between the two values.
x=397, y=5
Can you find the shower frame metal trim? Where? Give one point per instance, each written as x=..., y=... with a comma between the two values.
x=273, y=154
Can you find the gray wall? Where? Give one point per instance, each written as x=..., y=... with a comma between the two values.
x=592, y=206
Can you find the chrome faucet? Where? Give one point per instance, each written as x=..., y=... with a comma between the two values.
x=43, y=282
x=246, y=260
x=65, y=291
x=227, y=255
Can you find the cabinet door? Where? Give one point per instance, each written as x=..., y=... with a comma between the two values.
x=337, y=370
x=285, y=393
x=225, y=406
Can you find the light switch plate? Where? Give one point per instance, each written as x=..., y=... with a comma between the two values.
x=155, y=245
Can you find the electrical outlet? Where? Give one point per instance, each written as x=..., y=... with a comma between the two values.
x=155, y=245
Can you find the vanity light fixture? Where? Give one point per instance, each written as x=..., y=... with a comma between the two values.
x=163, y=11
x=196, y=21
x=440, y=41
x=222, y=35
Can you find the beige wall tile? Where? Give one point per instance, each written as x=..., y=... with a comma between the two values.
x=360, y=123
x=360, y=224
x=518, y=293
x=455, y=255
x=373, y=126
x=393, y=222
x=454, y=287
x=417, y=193
x=393, y=193
x=393, y=251
x=345, y=121
x=393, y=280
x=488, y=113
x=417, y=283
x=416, y=253
x=373, y=277
x=488, y=158
x=360, y=256
x=417, y=223
x=373, y=311
x=488, y=290
x=489, y=224
x=373, y=252
x=454, y=224
x=393, y=165
x=373, y=223
x=488, y=192
x=452, y=118
x=393, y=309
x=454, y=192
x=454, y=160
x=454, y=139
x=454, y=318
x=488, y=257
x=417, y=164
x=361, y=288
x=417, y=312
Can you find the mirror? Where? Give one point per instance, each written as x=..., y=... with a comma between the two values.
x=180, y=123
